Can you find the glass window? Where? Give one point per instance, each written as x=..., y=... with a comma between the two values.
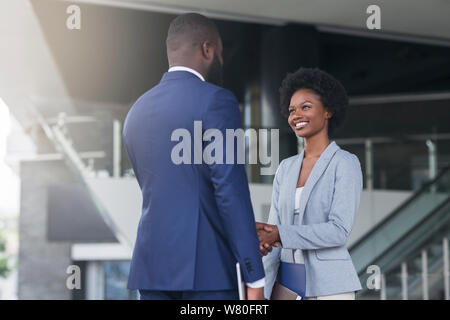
x=116, y=278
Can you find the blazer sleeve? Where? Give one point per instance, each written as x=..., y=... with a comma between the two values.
x=344, y=206
x=272, y=260
x=231, y=188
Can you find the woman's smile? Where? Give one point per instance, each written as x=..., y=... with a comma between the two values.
x=307, y=115
x=300, y=125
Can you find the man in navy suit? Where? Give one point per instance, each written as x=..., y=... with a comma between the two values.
x=197, y=219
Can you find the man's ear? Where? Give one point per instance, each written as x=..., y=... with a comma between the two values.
x=207, y=50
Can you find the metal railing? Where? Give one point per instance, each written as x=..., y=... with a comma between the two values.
x=413, y=256
x=56, y=131
x=401, y=221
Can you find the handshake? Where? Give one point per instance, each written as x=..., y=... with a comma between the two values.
x=268, y=237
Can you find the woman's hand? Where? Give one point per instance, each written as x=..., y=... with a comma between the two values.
x=268, y=236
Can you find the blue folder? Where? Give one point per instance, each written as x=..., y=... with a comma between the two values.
x=293, y=276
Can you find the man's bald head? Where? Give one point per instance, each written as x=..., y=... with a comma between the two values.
x=193, y=41
x=189, y=31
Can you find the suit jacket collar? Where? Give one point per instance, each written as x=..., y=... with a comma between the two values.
x=183, y=68
x=316, y=172
x=181, y=74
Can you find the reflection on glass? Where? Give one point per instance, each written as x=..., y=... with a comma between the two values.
x=116, y=277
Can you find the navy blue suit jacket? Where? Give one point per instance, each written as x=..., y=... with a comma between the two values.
x=197, y=219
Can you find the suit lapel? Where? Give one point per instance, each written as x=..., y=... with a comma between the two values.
x=316, y=172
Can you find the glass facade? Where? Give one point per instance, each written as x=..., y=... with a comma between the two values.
x=116, y=277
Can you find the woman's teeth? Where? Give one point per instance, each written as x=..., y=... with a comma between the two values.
x=301, y=124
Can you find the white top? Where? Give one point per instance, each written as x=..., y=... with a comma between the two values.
x=298, y=255
x=181, y=68
x=298, y=193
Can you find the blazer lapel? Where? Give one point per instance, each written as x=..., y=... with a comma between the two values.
x=291, y=185
x=316, y=172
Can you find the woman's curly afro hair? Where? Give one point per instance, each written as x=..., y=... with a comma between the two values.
x=331, y=93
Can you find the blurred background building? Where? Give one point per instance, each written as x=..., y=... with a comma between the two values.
x=68, y=92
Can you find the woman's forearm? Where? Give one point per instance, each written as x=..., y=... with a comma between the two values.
x=313, y=236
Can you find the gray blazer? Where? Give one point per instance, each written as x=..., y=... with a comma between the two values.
x=329, y=202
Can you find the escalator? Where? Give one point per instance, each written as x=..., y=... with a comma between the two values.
x=410, y=247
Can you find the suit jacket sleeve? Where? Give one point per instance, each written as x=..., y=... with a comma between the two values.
x=231, y=188
x=344, y=206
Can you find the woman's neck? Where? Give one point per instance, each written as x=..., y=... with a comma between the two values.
x=315, y=145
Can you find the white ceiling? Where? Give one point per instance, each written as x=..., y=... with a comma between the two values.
x=429, y=19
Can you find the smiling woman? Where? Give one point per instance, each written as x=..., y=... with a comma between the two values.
x=314, y=90
x=315, y=197
x=307, y=114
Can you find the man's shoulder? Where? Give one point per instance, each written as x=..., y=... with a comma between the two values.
x=204, y=95
x=203, y=89
x=218, y=92
x=217, y=98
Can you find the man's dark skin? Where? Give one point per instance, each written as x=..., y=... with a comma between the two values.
x=201, y=50
x=268, y=237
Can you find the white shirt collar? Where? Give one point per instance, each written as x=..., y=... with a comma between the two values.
x=181, y=68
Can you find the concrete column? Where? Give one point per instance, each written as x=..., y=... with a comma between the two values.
x=284, y=50
x=117, y=149
x=369, y=164
x=42, y=264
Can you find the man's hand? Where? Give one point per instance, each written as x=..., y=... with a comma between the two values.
x=268, y=236
x=255, y=293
